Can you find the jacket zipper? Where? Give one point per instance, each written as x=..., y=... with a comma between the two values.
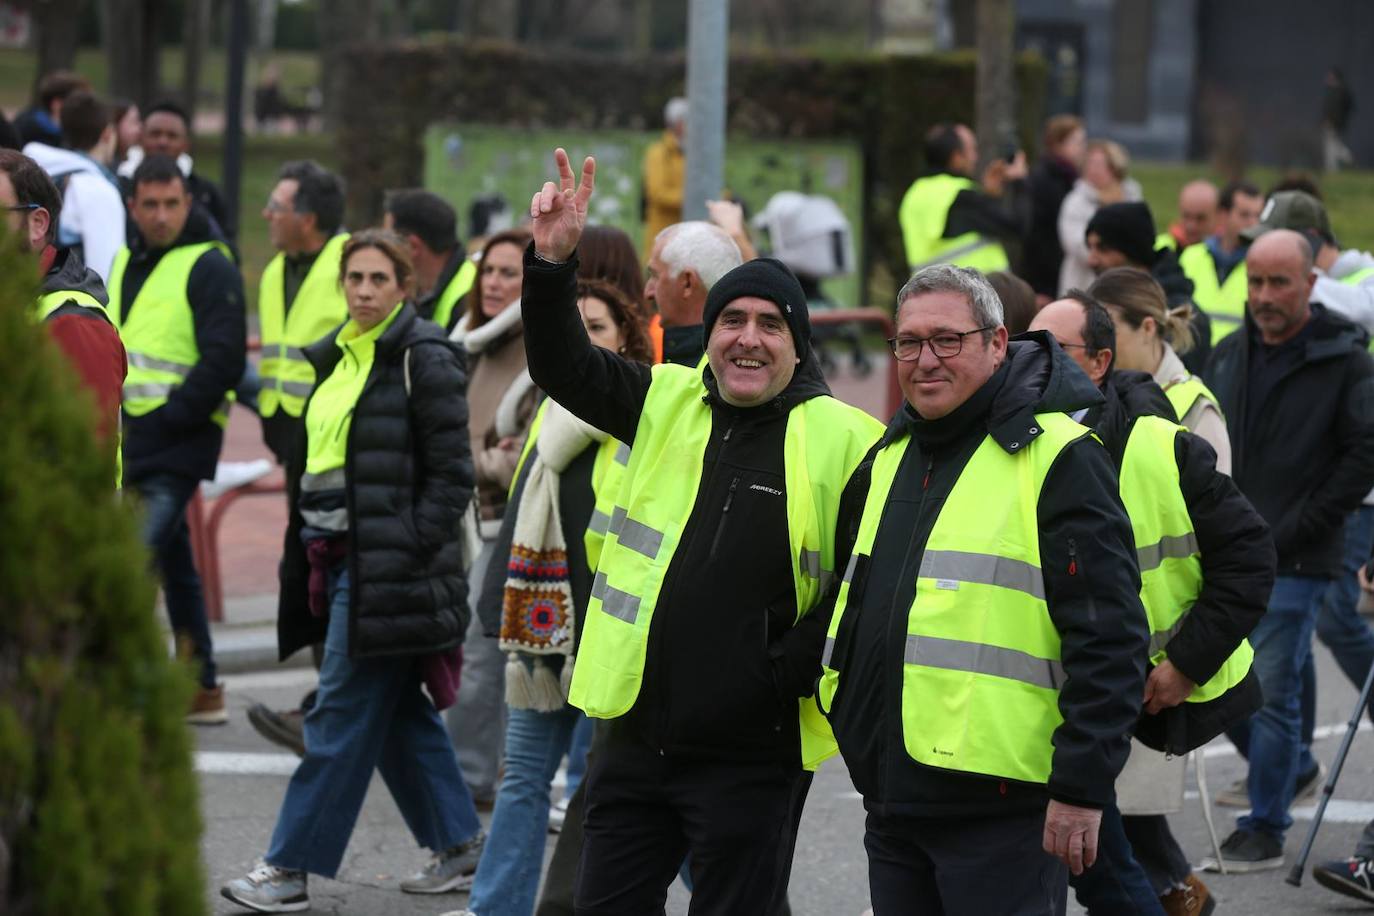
x=1073, y=557
x=661, y=656
x=724, y=516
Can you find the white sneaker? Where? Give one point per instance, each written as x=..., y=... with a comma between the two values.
x=230, y=475
x=557, y=815
x=269, y=889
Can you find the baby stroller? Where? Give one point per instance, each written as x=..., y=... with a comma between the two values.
x=811, y=235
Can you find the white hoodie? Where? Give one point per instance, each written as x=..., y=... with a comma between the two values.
x=1355, y=302
x=92, y=210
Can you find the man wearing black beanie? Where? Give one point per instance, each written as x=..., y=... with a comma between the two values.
x=706, y=623
x=1123, y=235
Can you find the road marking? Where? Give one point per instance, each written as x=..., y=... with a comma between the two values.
x=236, y=763
x=241, y=764
x=286, y=678
x=1338, y=810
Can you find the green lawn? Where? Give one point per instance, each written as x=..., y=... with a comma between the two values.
x=299, y=71
x=1349, y=196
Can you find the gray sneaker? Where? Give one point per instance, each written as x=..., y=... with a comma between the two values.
x=1237, y=794
x=269, y=889
x=450, y=870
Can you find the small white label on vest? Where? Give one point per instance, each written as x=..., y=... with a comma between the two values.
x=759, y=486
x=949, y=585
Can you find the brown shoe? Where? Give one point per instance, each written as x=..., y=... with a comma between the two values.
x=1193, y=899
x=207, y=707
x=286, y=728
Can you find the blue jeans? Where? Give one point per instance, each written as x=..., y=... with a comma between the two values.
x=164, y=498
x=369, y=714
x=1116, y=884
x=1272, y=738
x=508, y=875
x=1340, y=626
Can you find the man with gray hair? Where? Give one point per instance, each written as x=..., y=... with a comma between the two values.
x=685, y=261
x=665, y=167
x=989, y=562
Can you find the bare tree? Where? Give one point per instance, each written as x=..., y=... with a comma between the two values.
x=133, y=49
x=196, y=28
x=56, y=24
x=996, y=125
x=342, y=22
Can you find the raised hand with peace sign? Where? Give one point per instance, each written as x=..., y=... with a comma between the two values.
x=559, y=212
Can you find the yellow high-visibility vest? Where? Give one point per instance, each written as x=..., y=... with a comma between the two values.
x=318, y=308
x=923, y=214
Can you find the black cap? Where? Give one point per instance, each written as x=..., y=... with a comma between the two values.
x=1128, y=228
x=766, y=278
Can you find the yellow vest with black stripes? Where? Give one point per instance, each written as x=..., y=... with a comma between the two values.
x=981, y=668
x=160, y=333
x=923, y=214
x=1167, y=547
x=824, y=442
x=319, y=307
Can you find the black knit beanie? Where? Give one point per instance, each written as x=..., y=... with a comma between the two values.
x=767, y=278
x=1128, y=228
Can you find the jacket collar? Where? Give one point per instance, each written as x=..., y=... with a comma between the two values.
x=481, y=338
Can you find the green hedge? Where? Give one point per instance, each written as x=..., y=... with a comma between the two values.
x=98, y=801
x=394, y=92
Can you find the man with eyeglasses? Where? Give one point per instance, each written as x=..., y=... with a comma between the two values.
x=985, y=660
x=71, y=302
x=1207, y=567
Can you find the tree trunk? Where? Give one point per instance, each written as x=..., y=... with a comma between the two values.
x=196, y=28
x=265, y=31
x=55, y=24
x=342, y=22
x=996, y=125
x=133, y=49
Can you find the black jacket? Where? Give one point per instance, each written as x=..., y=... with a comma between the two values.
x=180, y=437
x=725, y=662
x=207, y=194
x=409, y=478
x=1092, y=584
x=1050, y=182
x=425, y=304
x=1237, y=567
x=1305, y=456
x=1004, y=218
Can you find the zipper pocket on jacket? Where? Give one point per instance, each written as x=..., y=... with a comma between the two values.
x=1073, y=557
x=724, y=516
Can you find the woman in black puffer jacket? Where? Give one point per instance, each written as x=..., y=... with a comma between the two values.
x=374, y=566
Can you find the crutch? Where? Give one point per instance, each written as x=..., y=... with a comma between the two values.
x=1295, y=874
x=1200, y=765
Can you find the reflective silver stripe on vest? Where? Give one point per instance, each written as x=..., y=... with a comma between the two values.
x=600, y=523
x=330, y=520
x=953, y=253
x=829, y=651
x=144, y=361
x=810, y=563
x=621, y=605
x=979, y=658
x=951, y=567
x=1159, y=641
x=849, y=570
x=622, y=454
x=329, y=480
x=297, y=389
x=148, y=390
x=632, y=534
x=1226, y=319
x=282, y=351
x=1169, y=547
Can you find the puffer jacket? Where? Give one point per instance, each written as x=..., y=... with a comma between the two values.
x=409, y=479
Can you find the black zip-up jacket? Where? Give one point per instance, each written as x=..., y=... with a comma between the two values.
x=1004, y=218
x=1305, y=456
x=1050, y=182
x=1237, y=556
x=179, y=437
x=1092, y=586
x=725, y=663
x=409, y=478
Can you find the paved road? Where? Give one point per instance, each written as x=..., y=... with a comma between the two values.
x=243, y=780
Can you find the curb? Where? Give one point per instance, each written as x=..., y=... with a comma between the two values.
x=251, y=648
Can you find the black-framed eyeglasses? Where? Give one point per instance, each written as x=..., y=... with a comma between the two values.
x=24, y=207
x=945, y=345
x=1064, y=346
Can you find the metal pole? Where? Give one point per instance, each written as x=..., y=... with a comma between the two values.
x=708, y=56
x=233, y=106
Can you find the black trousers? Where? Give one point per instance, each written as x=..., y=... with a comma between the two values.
x=646, y=812
x=992, y=866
